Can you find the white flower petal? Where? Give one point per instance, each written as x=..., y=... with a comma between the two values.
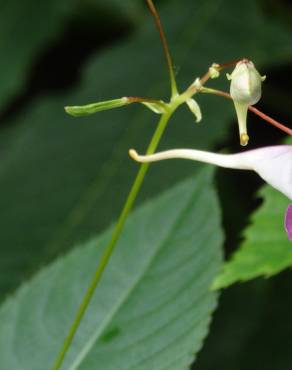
x=273, y=163
x=275, y=167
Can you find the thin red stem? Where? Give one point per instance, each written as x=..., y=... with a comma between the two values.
x=271, y=120
x=206, y=76
x=229, y=64
x=264, y=116
x=138, y=99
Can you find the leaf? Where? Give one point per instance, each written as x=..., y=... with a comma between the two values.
x=30, y=26
x=262, y=328
x=129, y=9
x=237, y=320
x=57, y=173
x=19, y=41
x=153, y=306
x=266, y=249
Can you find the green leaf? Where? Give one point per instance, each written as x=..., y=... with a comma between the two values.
x=152, y=309
x=28, y=27
x=57, y=173
x=19, y=41
x=244, y=322
x=266, y=249
x=129, y=9
x=256, y=335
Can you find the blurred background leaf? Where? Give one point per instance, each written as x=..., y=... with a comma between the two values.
x=51, y=165
x=252, y=327
x=28, y=28
x=266, y=249
x=148, y=313
x=63, y=179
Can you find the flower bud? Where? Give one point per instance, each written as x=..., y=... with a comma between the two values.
x=245, y=90
x=246, y=83
x=84, y=110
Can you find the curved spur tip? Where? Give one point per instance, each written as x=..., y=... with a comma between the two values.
x=288, y=221
x=134, y=155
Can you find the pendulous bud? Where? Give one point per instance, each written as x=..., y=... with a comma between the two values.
x=245, y=90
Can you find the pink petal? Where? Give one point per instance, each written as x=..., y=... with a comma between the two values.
x=288, y=221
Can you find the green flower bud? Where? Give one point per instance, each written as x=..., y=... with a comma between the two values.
x=246, y=83
x=245, y=90
x=84, y=110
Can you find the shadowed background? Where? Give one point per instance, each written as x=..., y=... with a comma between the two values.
x=57, y=173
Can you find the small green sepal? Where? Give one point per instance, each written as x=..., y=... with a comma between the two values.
x=195, y=109
x=158, y=107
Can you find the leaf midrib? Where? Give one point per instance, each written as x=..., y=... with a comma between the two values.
x=102, y=327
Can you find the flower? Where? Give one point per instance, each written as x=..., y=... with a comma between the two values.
x=288, y=221
x=271, y=163
x=245, y=90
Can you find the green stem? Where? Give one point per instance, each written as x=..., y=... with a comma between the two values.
x=115, y=236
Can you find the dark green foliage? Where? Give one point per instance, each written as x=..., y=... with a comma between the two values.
x=63, y=179
x=153, y=306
